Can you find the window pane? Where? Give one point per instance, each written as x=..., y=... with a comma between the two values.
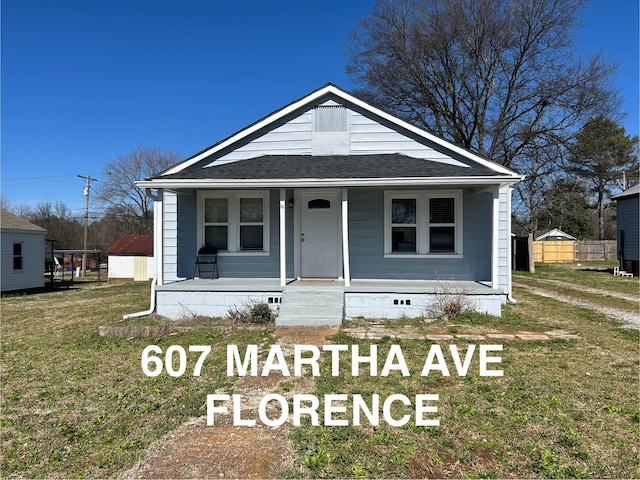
x=17, y=249
x=441, y=210
x=403, y=239
x=403, y=210
x=251, y=210
x=17, y=263
x=442, y=239
x=216, y=210
x=216, y=237
x=318, y=203
x=251, y=237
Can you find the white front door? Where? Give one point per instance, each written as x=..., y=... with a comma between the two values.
x=320, y=239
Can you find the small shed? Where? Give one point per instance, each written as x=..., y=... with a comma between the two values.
x=627, y=230
x=23, y=253
x=131, y=258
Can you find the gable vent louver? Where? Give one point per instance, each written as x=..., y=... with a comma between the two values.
x=330, y=118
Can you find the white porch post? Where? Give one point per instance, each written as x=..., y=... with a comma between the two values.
x=158, y=230
x=283, y=238
x=495, y=230
x=345, y=237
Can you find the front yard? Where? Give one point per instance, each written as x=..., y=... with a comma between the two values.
x=75, y=404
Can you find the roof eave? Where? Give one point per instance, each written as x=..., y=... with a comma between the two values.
x=161, y=183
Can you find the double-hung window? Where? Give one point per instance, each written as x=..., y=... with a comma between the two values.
x=235, y=221
x=423, y=223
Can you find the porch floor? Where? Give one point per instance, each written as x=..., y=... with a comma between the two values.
x=357, y=286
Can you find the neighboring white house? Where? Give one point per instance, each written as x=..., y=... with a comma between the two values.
x=555, y=234
x=628, y=206
x=131, y=258
x=330, y=203
x=23, y=253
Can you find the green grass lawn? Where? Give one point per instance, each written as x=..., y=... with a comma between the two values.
x=563, y=409
x=78, y=405
x=594, y=274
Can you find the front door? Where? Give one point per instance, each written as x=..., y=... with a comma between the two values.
x=320, y=235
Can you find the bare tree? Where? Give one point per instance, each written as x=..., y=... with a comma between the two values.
x=118, y=189
x=499, y=77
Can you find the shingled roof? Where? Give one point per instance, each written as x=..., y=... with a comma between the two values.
x=132, y=245
x=9, y=221
x=272, y=167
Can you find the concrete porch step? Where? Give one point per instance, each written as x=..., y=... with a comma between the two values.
x=311, y=306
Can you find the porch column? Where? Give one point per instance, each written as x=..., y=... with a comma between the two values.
x=345, y=237
x=495, y=230
x=283, y=238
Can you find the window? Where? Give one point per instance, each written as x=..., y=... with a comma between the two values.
x=235, y=222
x=17, y=256
x=216, y=223
x=442, y=227
x=251, y=223
x=319, y=203
x=404, y=226
x=422, y=223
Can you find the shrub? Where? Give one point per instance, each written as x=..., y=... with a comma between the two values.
x=254, y=312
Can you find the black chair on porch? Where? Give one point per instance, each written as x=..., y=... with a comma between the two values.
x=207, y=256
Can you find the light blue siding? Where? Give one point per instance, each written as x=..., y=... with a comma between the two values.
x=180, y=242
x=366, y=242
x=366, y=134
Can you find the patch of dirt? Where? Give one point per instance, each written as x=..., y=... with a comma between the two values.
x=438, y=464
x=195, y=450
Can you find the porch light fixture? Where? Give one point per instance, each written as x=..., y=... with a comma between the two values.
x=290, y=203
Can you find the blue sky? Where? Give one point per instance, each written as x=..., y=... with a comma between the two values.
x=86, y=80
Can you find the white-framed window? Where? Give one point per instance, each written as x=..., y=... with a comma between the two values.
x=423, y=223
x=235, y=222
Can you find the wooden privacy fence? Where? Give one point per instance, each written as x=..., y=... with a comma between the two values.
x=574, y=251
x=554, y=251
x=596, y=251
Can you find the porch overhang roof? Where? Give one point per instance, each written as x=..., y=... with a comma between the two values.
x=282, y=171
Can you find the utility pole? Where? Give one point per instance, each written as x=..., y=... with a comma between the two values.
x=86, y=220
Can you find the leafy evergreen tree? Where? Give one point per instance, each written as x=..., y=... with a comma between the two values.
x=602, y=155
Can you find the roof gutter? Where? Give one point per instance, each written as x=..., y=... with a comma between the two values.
x=328, y=182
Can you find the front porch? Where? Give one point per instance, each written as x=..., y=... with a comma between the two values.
x=320, y=302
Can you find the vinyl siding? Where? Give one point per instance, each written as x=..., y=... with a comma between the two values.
x=504, y=236
x=365, y=135
x=32, y=273
x=292, y=138
x=628, y=209
x=369, y=137
x=180, y=237
x=366, y=239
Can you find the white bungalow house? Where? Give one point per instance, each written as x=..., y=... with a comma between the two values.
x=330, y=208
x=23, y=253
